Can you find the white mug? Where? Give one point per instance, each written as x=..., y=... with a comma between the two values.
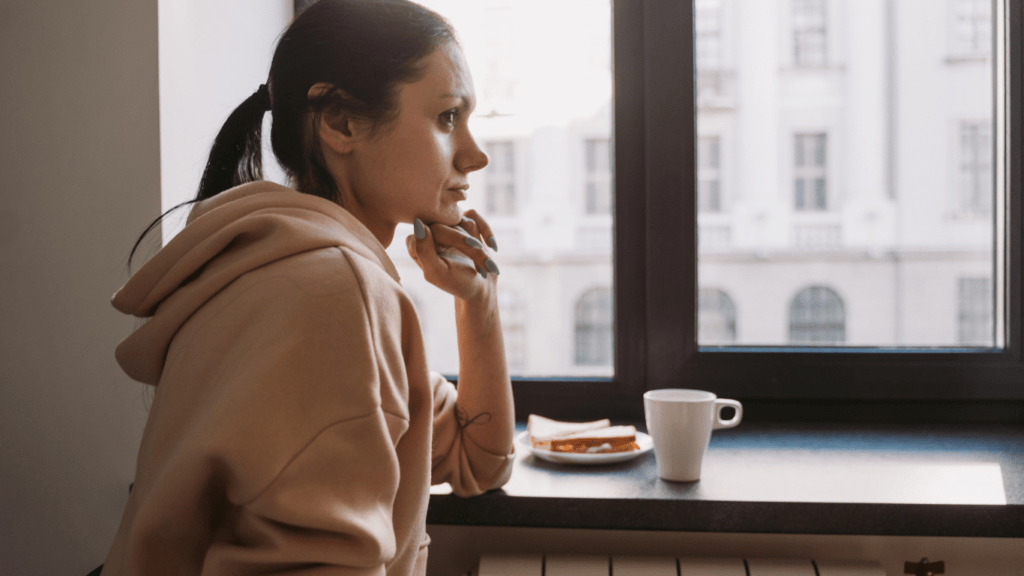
x=680, y=423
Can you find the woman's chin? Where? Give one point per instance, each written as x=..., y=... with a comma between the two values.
x=448, y=216
x=451, y=217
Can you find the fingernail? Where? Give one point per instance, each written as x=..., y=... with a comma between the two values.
x=492, y=266
x=492, y=243
x=473, y=242
x=482, y=272
x=418, y=229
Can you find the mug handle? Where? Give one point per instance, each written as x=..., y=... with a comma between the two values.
x=732, y=422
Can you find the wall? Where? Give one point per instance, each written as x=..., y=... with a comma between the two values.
x=80, y=159
x=81, y=152
x=213, y=55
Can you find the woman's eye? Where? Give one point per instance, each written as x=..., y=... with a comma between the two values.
x=449, y=117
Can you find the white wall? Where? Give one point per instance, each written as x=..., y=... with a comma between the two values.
x=79, y=155
x=213, y=55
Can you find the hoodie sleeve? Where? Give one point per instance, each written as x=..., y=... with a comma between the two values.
x=331, y=507
x=457, y=458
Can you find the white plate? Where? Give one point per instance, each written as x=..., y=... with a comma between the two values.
x=643, y=441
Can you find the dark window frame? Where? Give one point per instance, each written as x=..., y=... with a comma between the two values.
x=656, y=272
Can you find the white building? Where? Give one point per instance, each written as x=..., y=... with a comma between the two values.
x=845, y=187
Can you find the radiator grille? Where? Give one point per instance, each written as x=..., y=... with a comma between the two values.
x=601, y=565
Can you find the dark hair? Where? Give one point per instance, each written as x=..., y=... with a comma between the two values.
x=363, y=49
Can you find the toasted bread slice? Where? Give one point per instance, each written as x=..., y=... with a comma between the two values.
x=543, y=429
x=611, y=439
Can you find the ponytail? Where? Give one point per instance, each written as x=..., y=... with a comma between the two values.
x=235, y=158
x=237, y=153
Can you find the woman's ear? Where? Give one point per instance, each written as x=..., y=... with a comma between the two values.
x=338, y=130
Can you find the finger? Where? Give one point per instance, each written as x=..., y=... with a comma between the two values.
x=470, y=227
x=457, y=239
x=410, y=245
x=484, y=228
x=425, y=254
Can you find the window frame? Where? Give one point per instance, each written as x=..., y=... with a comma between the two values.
x=655, y=276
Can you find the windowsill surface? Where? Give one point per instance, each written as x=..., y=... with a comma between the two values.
x=881, y=479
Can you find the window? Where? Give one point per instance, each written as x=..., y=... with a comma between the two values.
x=972, y=28
x=817, y=316
x=709, y=191
x=810, y=181
x=708, y=59
x=716, y=317
x=899, y=161
x=513, y=323
x=501, y=179
x=809, y=33
x=653, y=314
x=975, y=311
x=599, y=176
x=544, y=116
x=594, y=328
x=975, y=168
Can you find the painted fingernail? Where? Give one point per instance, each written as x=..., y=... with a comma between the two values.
x=482, y=272
x=492, y=266
x=473, y=242
x=492, y=243
x=419, y=229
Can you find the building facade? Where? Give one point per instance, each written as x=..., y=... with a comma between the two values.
x=845, y=189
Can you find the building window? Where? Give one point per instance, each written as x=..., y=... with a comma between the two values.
x=709, y=189
x=975, y=312
x=513, y=324
x=809, y=33
x=599, y=176
x=809, y=172
x=817, y=316
x=594, y=328
x=716, y=317
x=708, y=28
x=972, y=27
x=501, y=179
x=975, y=189
x=708, y=46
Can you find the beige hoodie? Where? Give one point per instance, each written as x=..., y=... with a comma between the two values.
x=295, y=428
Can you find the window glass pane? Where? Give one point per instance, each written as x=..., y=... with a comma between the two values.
x=854, y=180
x=543, y=80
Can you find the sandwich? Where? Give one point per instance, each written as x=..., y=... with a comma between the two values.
x=598, y=436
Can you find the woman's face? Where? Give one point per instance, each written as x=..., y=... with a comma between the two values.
x=418, y=166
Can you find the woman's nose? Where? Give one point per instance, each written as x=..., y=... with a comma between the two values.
x=471, y=158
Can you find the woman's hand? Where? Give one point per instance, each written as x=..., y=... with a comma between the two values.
x=455, y=258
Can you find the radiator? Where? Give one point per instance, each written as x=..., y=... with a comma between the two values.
x=602, y=565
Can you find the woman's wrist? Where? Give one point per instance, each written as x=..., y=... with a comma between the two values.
x=486, y=297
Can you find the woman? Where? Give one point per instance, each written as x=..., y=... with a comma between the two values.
x=295, y=427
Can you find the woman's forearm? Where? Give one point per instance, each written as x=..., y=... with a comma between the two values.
x=484, y=384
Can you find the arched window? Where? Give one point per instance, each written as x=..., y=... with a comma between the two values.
x=513, y=324
x=594, y=328
x=716, y=317
x=817, y=316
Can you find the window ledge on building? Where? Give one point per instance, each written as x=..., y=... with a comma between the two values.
x=795, y=478
x=955, y=59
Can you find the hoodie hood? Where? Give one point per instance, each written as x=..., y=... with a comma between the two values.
x=234, y=232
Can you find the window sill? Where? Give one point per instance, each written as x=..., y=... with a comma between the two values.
x=962, y=480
